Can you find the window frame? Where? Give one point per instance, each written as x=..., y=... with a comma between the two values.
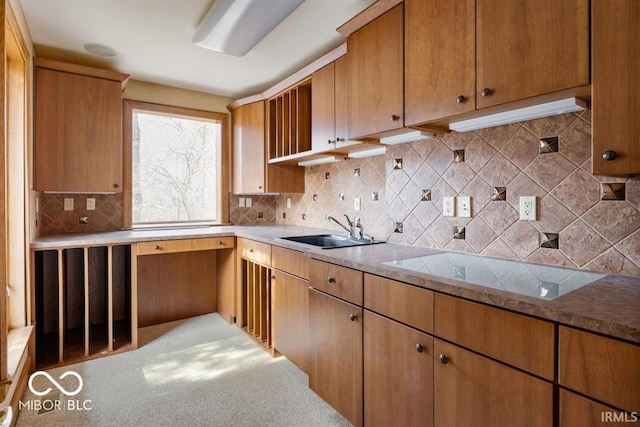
x=225, y=161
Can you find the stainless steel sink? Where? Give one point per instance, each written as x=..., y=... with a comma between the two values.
x=328, y=241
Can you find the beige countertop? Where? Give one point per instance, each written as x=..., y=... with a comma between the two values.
x=610, y=305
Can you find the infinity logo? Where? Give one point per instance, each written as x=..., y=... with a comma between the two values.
x=55, y=383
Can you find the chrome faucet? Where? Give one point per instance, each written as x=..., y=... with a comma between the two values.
x=351, y=229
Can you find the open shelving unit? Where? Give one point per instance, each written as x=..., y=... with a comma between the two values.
x=256, y=302
x=84, y=303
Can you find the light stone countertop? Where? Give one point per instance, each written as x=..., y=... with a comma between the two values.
x=610, y=305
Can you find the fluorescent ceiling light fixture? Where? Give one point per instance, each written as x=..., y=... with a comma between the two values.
x=321, y=161
x=368, y=153
x=416, y=135
x=234, y=27
x=569, y=105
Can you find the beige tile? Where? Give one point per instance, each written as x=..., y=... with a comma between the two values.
x=441, y=232
x=396, y=182
x=612, y=261
x=426, y=213
x=426, y=176
x=479, y=235
x=630, y=247
x=580, y=243
x=457, y=140
x=478, y=153
x=550, y=257
x=412, y=228
x=499, y=249
x=552, y=215
x=426, y=241
x=440, y=158
x=424, y=147
x=633, y=192
x=586, y=115
x=522, y=185
x=575, y=142
x=498, y=136
x=458, y=175
x=439, y=190
x=480, y=193
x=579, y=192
x=397, y=210
x=522, y=238
x=411, y=195
x=499, y=171
x=521, y=148
x=614, y=220
x=547, y=170
x=458, y=245
x=499, y=216
x=550, y=126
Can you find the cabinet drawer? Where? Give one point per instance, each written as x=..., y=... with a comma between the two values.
x=578, y=411
x=518, y=340
x=184, y=245
x=255, y=251
x=339, y=281
x=405, y=303
x=292, y=262
x=603, y=368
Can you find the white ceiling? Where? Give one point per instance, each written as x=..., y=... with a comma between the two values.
x=153, y=41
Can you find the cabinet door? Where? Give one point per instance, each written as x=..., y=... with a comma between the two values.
x=440, y=59
x=529, y=48
x=323, y=108
x=248, y=148
x=398, y=374
x=290, y=317
x=616, y=85
x=341, y=101
x=335, y=354
x=578, y=411
x=471, y=390
x=375, y=76
x=78, y=133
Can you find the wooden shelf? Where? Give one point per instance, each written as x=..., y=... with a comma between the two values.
x=256, y=303
x=83, y=303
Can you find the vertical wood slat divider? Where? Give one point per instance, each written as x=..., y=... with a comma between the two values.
x=87, y=345
x=293, y=120
x=134, y=296
x=110, y=297
x=264, y=306
x=61, y=271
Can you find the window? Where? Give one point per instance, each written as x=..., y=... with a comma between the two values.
x=177, y=161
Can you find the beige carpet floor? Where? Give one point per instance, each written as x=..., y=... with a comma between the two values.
x=196, y=372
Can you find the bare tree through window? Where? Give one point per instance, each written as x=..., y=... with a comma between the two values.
x=175, y=168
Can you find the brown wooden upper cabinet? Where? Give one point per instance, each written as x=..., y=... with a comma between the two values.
x=375, y=76
x=474, y=54
x=251, y=174
x=615, y=86
x=329, y=107
x=78, y=128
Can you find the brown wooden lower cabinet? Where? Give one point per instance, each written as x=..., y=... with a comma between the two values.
x=579, y=411
x=335, y=349
x=290, y=317
x=398, y=374
x=472, y=390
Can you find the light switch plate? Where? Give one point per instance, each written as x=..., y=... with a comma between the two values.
x=91, y=204
x=68, y=204
x=248, y=202
x=356, y=203
x=288, y=202
x=528, y=208
x=242, y=202
x=449, y=206
x=464, y=206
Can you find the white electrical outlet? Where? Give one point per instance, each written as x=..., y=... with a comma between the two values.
x=288, y=202
x=91, y=204
x=464, y=206
x=249, y=202
x=449, y=206
x=68, y=204
x=356, y=203
x=528, y=208
x=242, y=202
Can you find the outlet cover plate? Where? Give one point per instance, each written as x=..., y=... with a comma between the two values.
x=91, y=204
x=248, y=202
x=68, y=204
x=528, y=208
x=464, y=206
x=356, y=203
x=449, y=206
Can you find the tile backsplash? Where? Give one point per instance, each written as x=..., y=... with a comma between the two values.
x=53, y=219
x=401, y=196
x=261, y=211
